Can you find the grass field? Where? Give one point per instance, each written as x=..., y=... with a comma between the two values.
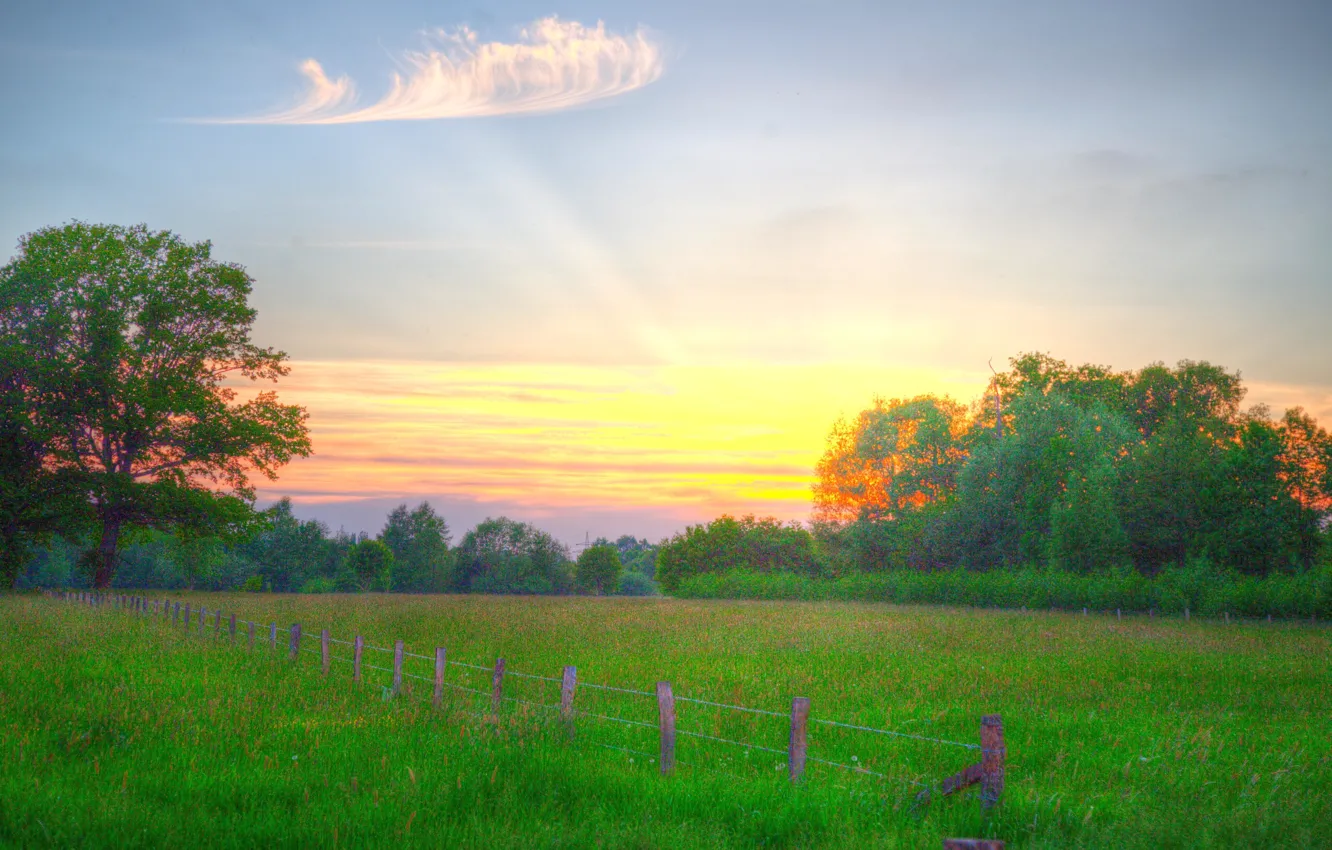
x=121, y=731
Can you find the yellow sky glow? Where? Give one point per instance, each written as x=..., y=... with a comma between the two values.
x=699, y=439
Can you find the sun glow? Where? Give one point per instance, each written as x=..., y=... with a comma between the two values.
x=686, y=439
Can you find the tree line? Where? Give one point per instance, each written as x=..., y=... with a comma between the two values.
x=1080, y=469
x=410, y=554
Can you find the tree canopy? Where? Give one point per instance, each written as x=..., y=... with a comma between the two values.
x=125, y=343
x=1092, y=468
x=598, y=570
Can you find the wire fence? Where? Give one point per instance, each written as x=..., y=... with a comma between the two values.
x=989, y=773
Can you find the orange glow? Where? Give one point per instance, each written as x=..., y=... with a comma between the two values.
x=742, y=439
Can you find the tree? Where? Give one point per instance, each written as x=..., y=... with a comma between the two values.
x=502, y=555
x=895, y=456
x=419, y=540
x=1046, y=492
x=289, y=551
x=372, y=564
x=35, y=502
x=127, y=338
x=598, y=570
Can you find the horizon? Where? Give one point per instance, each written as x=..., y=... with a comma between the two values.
x=636, y=292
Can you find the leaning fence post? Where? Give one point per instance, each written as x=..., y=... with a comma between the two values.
x=323, y=650
x=567, y=687
x=497, y=686
x=295, y=639
x=358, y=646
x=232, y=627
x=992, y=759
x=666, y=715
x=795, y=757
x=439, y=676
x=397, y=667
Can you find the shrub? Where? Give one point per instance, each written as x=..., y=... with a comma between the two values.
x=637, y=584
x=318, y=584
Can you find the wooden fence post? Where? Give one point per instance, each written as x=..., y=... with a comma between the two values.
x=272, y=637
x=187, y=616
x=497, y=686
x=1227, y=617
x=666, y=717
x=295, y=640
x=1186, y=614
x=992, y=759
x=567, y=687
x=203, y=615
x=323, y=650
x=795, y=756
x=439, y=677
x=251, y=625
x=232, y=627
x=358, y=646
x=397, y=667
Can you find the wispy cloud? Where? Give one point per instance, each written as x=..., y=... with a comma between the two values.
x=553, y=65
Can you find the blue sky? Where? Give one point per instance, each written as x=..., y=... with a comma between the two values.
x=898, y=187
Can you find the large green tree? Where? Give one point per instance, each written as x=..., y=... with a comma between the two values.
x=128, y=339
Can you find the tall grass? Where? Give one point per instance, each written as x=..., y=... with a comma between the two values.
x=123, y=731
x=1203, y=590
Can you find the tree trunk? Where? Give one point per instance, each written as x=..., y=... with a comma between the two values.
x=106, y=554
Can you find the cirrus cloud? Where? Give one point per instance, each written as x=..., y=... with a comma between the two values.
x=553, y=65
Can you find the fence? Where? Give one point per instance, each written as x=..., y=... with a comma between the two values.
x=988, y=772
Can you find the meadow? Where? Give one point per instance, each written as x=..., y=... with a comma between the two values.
x=117, y=730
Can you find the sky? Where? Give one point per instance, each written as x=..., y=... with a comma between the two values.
x=615, y=268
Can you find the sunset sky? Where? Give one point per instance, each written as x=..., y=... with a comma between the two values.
x=617, y=267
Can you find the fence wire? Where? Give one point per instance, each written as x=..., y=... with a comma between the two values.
x=851, y=768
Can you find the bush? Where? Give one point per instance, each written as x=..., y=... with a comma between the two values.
x=760, y=545
x=637, y=584
x=253, y=584
x=318, y=584
x=1202, y=588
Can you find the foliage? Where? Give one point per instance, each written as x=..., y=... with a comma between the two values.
x=502, y=555
x=637, y=584
x=598, y=570
x=288, y=551
x=419, y=540
x=125, y=339
x=1091, y=469
x=637, y=555
x=372, y=563
x=727, y=543
x=895, y=456
x=1203, y=589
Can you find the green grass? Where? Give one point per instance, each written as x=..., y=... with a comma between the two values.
x=122, y=731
